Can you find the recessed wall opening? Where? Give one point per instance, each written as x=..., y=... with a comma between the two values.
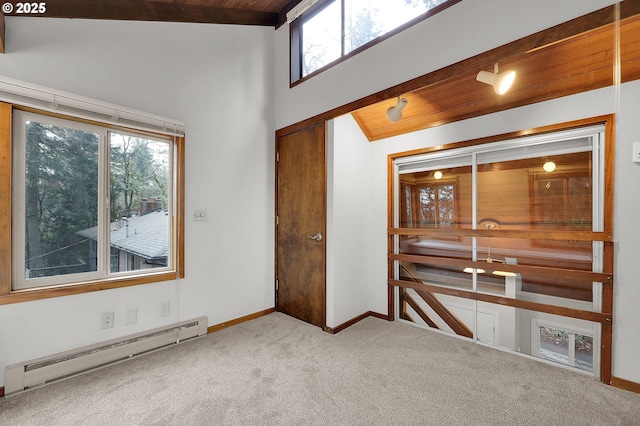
x=507, y=243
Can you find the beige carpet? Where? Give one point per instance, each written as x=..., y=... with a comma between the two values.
x=276, y=370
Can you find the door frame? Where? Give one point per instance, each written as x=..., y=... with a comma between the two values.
x=278, y=135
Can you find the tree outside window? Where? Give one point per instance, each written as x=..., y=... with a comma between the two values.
x=325, y=36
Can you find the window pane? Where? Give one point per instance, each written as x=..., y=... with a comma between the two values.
x=61, y=200
x=584, y=352
x=368, y=19
x=566, y=347
x=550, y=193
x=321, y=38
x=554, y=344
x=140, y=195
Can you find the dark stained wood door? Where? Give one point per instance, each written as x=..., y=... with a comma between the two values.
x=301, y=222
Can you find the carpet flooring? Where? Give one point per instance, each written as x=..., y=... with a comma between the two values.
x=276, y=370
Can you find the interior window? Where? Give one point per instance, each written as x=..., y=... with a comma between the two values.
x=487, y=223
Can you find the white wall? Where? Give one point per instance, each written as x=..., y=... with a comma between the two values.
x=466, y=29
x=626, y=338
x=626, y=333
x=348, y=221
x=219, y=80
x=463, y=30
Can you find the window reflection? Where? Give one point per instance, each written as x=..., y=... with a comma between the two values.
x=471, y=255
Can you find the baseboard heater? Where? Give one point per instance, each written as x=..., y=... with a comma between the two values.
x=42, y=371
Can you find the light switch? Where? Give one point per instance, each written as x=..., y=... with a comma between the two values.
x=200, y=214
x=636, y=152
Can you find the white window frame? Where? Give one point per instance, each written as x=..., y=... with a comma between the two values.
x=554, y=143
x=20, y=282
x=537, y=323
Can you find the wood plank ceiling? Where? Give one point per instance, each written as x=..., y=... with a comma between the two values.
x=584, y=60
x=242, y=12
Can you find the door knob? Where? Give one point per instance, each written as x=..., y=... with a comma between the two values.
x=317, y=237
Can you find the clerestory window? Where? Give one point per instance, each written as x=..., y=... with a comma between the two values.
x=335, y=29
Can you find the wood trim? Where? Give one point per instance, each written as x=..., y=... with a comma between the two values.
x=456, y=325
x=608, y=120
x=483, y=60
x=7, y=296
x=28, y=295
x=222, y=325
x=1, y=391
x=391, y=196
x=352, y=321
x=308, y=124
x=2, y=34
x=606, y=345
x=579, y=279
x=406, y=298
x=180, y=213
x=505, y=233
x=5, y=198
x=604, y=318
x=625, y=384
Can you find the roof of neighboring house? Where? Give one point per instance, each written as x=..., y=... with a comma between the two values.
x=145, y=236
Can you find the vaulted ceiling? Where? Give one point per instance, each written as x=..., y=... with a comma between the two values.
x=569, y=58
x=270, y=13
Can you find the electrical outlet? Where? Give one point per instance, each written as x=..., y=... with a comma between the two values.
x=165, y=308
x=131, y=316
x=107, y=320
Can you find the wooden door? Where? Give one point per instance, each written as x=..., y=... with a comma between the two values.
x=301, y=222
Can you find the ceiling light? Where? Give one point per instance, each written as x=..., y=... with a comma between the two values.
x=501, y=82
x=395, y=112
x=549, y=166
x=438, y=174
x=470, y=270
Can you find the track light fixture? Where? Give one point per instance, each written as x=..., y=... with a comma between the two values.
x=501, y=82
x=395, y=112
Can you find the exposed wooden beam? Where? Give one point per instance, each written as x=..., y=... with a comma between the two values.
x=148, y=10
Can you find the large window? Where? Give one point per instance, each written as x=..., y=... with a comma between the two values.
x=429, y=202
x=91, y=203
x=338, y=28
